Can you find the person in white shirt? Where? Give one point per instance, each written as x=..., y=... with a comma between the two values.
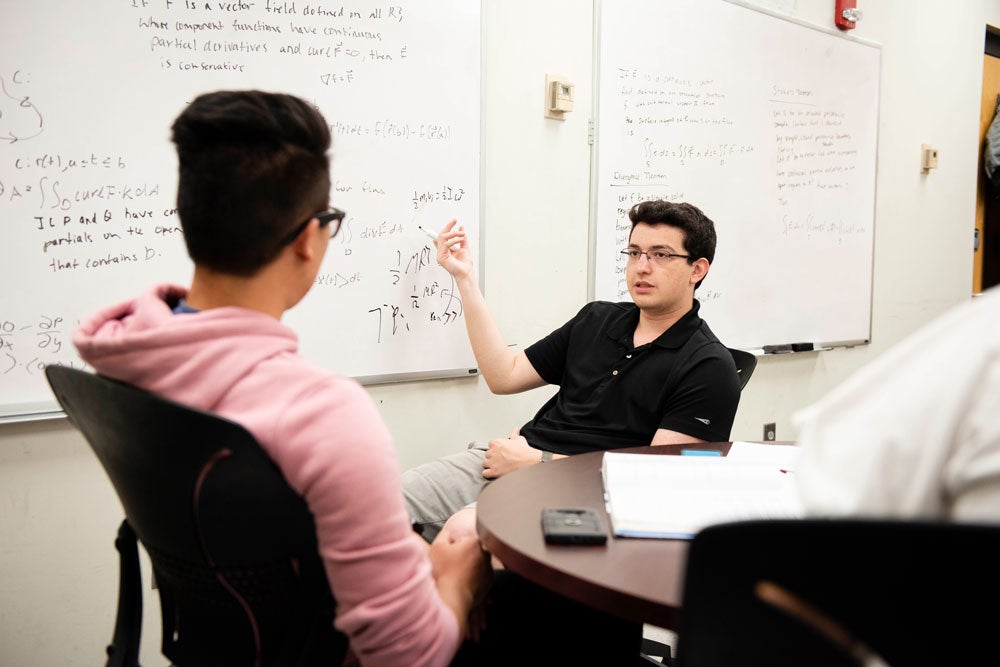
x=916, y=433
x=913, y=435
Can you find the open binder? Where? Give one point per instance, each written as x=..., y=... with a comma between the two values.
x=673, y=497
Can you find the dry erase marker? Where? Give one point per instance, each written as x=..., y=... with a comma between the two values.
x=433, y=237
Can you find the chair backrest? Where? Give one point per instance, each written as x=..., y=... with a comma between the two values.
x=233, y=547
x=913, y=592
x=746, y=362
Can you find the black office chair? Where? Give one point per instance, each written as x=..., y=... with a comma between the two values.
x=746, y=362
x=911, y=592
x=233, y=547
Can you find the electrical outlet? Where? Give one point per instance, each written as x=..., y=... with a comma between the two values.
x=770, y=432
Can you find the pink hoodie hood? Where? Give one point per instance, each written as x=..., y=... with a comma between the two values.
x=144, y=343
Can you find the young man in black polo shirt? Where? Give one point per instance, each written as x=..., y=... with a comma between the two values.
x=629, y=374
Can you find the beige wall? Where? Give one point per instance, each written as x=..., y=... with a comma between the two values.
x=58, y=571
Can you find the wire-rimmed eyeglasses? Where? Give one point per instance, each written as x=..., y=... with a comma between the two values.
x=657, y=257
x=331, y=216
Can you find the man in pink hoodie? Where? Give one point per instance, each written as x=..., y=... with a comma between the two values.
x=253, y=200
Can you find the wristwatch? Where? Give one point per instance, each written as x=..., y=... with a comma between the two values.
x=546, y=457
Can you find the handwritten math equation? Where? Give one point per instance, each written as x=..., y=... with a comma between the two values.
x=27, y=347
x=420, y=294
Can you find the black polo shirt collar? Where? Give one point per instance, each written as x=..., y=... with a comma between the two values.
x=673, y=338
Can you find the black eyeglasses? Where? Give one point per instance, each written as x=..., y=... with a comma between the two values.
x=657, y=257
x=332, y=217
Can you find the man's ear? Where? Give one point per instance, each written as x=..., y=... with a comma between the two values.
x=303, y=245
x=699, y=270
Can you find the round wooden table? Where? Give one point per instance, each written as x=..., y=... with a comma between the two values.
x=637, y=579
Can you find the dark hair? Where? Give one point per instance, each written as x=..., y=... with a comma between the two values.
x=699, y=230
x=252, y=166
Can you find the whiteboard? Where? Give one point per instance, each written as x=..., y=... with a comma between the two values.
x=88, y=174
x=769, y=126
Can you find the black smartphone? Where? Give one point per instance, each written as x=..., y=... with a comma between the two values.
x=573, y=525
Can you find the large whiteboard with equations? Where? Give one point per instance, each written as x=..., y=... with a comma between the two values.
x=88, y=174
x=770, y=127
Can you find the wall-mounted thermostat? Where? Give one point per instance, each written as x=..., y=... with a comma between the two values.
x=558, y=96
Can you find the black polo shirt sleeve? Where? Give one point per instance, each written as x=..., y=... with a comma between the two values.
x=548, y=356
x=702, y=404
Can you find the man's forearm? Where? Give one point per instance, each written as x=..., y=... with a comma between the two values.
x=494, y=357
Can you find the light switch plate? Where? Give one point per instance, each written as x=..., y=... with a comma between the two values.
x=928, y=157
